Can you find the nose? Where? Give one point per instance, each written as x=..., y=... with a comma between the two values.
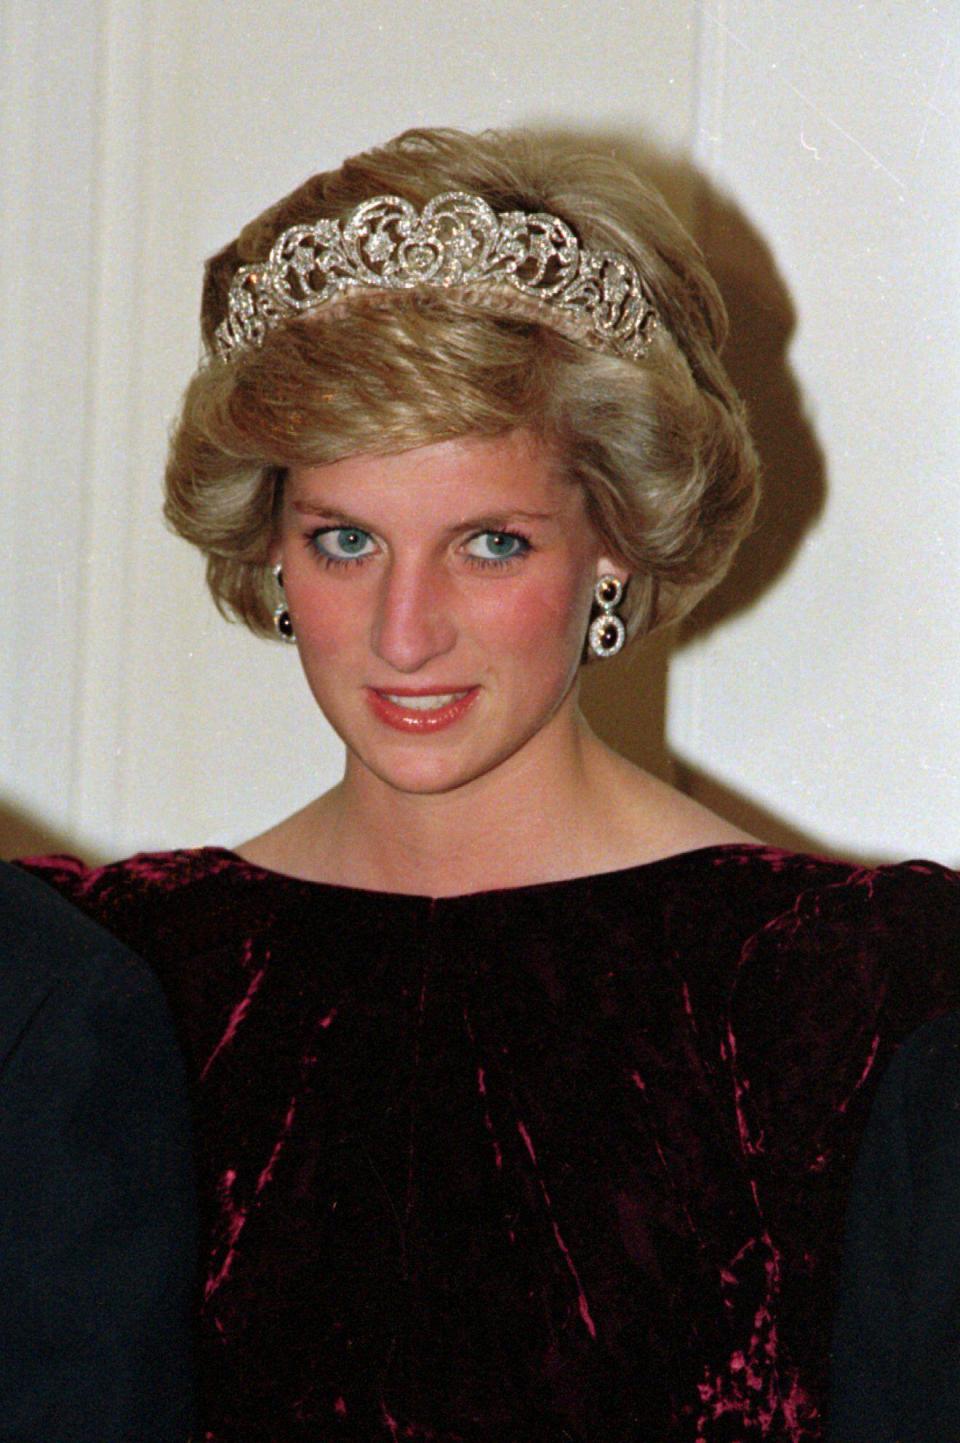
x=414, y=618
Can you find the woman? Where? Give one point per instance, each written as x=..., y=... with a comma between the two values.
x=525, y=1089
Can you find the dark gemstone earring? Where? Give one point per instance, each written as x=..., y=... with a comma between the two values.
x=281, y=616
x=607, y=632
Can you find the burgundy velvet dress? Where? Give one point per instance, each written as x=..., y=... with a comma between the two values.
x=559, y=1164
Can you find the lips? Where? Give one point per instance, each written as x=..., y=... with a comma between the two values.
x=421, y=711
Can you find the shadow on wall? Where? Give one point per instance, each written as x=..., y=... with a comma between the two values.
x=625, y=701
x=25, y=836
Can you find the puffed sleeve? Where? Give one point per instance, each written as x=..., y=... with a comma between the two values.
x=896, y=1354
x=97, y=1210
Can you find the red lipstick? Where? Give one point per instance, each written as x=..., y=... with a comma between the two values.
x=389, y=708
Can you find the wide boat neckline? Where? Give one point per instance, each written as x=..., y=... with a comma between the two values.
x=614, y=876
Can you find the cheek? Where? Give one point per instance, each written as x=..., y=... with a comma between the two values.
x=545, y=618
x=327, y=625
x=548, y=618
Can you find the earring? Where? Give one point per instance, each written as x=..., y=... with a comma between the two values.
x=281, y=616
x=607, y=632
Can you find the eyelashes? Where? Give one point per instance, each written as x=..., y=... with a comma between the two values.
x=337, y=547
x=503, y=547
x=341, y=545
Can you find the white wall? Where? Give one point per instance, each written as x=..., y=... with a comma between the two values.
x=818, y=698
x=834, y=699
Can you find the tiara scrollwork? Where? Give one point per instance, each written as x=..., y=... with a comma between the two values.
x=457, y=240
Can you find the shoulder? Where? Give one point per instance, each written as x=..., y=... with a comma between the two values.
x=88, y=1050
x=31, y=910
x=789, y=905
x=197, y=918
x=203, y=920
x=149, y=873
x=787, y=935
x=825, y=968
x=148, y=899
x=50, y=950
x=798, y=909
x=57, y=962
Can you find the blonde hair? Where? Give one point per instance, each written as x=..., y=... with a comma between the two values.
x=660, y=446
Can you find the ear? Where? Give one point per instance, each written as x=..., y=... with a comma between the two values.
x=606, y=566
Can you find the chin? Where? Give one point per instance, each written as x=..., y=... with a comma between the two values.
x=426, y=778
x=423, y=768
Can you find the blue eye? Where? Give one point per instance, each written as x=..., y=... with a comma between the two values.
x=343, y=543
x=497, y=546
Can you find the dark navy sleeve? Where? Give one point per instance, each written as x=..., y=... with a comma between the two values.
x=896, y=1355
x=97, y=1226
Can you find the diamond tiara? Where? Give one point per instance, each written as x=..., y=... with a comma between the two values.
x=457, y=241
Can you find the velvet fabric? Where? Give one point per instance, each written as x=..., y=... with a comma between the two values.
x=559, y=1164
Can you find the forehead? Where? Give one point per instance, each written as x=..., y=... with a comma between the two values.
x=517, y=471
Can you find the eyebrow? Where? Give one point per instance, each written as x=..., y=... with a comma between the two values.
x=489, y=521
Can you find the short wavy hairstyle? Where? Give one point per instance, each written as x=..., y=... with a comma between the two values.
x=660, y=445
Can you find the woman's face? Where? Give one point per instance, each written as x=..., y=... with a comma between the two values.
x=440, y=599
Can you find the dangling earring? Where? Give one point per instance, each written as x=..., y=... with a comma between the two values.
x=607, y=632
x=281, y=616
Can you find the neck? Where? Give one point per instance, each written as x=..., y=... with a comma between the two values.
x=509, y=827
